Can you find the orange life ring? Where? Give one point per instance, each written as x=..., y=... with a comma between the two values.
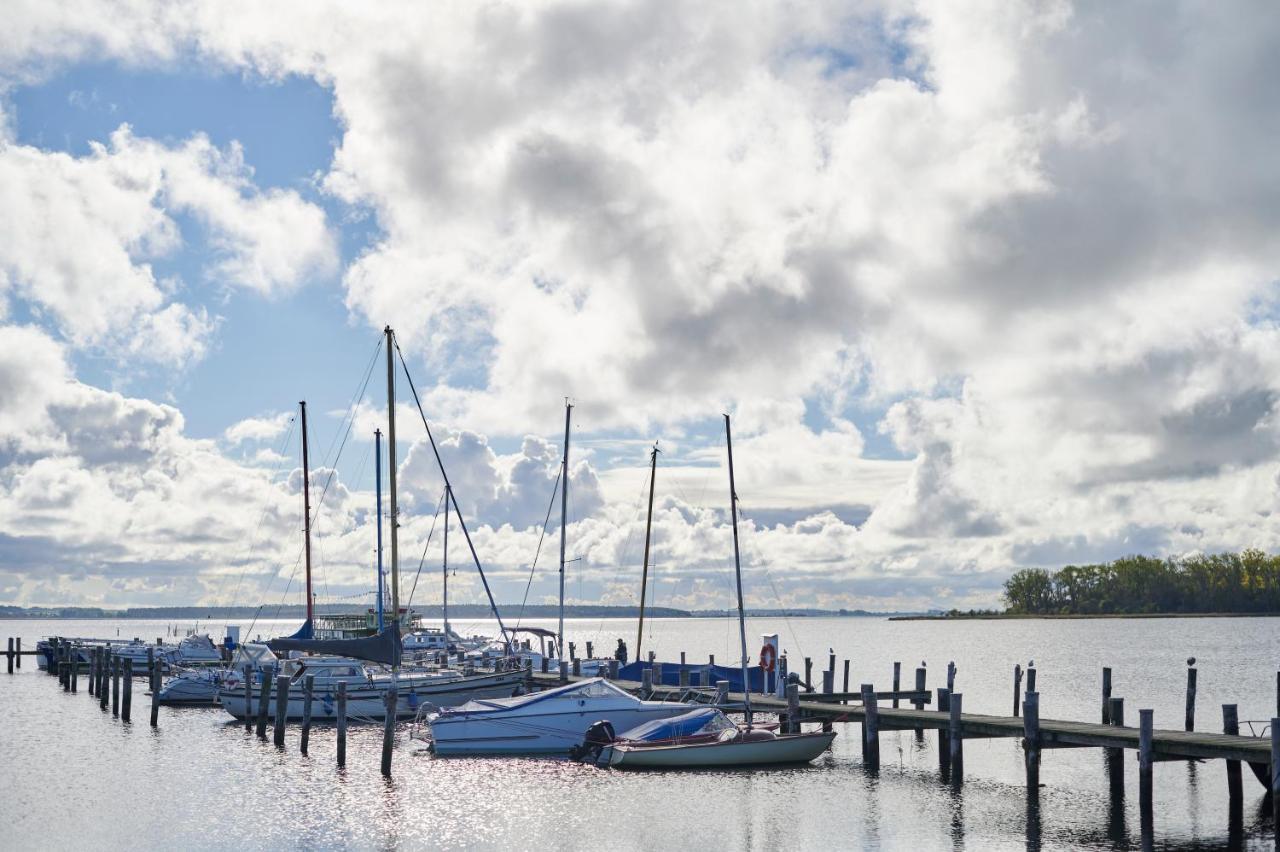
x=768, y=656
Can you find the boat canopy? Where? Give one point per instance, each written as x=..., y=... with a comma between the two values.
x=253, y=654
x=385, y=647
x=702, y=720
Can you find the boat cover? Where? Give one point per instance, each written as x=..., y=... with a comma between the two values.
x=383, y=648
x=684, y=725
x=707, y=675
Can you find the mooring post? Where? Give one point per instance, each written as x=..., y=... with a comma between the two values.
x=1115, y=756
x=614, y=666
x=1231, y=726
x=73, y=667
x=956, y=735
x=1106, y=695
x=808, y=674
x=308, y=694
x=1146, y=758
x=657, y=675
x=1017, y=689
x=1031, y=680
x=564, y=671
x=104, y=677
x=19, y=644
x=10, y=655
x=646, y=683
x=389, y=727
x=684, y=677
x=870, y=726
x=126, y=701
x=828, y=681
x=711, y=659
x=951, y=677
x=845, y=688
x=591, y=652
x=793, y=708
x=264, y=701
x=93, y=671
x=115, y=686
x=1031, y=738
x=1190, y=722
x=151, y=672
x=780, y=681
x=155, y=699
x=1275, y=775
x=897, y=681
x=282, y=709
x=573, y=650
x=546, y=665
x=341, y=710
x=921, y=674
x=248, y=697
x=722, y=692
x=577, y=667
x=944, y=740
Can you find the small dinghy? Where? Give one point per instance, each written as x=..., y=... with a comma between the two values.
x=703, y=738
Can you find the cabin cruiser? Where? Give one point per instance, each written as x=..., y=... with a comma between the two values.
x=549, y=722
x=366, y=688
x=196, y=686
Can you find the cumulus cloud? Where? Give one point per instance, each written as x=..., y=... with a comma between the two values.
x=258, y=428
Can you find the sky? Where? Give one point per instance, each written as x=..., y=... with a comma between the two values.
x=984, y=285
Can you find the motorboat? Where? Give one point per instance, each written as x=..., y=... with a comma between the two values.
x=549, y=722
x=200, y=686
x=366, y=689
x=701, y=738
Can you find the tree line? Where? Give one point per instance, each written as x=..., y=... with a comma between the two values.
x=1246, y=582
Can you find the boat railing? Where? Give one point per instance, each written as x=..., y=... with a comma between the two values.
x=1258, y=727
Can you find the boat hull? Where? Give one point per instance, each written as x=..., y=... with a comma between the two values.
x=368, y=702
x=797, y=748
x=550, y=733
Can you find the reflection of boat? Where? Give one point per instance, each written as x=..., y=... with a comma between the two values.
x=548, y=722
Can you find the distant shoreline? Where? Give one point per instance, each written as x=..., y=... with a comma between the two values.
x=1069, y=616
x=464, y=611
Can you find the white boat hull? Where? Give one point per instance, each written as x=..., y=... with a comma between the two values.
x=551, y=733
x=368, y=702
x=795, y=748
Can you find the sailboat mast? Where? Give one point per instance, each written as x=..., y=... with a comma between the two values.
x=564, y=520
x=648, y=528
x=306, y=507
x=391, y=473
x=737, y=573
x=377, y=478
x=448, y=496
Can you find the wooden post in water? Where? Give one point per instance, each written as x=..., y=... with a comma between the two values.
x=248, y=697
x=614, y=665
x=1106, y=695
x=793, y=708
x=577, y=667
x=1017, y=689
x=846, y=679
x=546, y=665
x=115, y=686
x=657, y=675
x=93, y=671
x=1231, y=726
x=955, y=734
x=646, y=683
x=103, y=677
x=341, y=710
x=944, y=739
x=564, y=671
x=828, y=681
x=1275, y=774
x=951, y=677
x=831, y=667
x=921, y=674
x=264, y=701
x=1146, y=758
x=73, y=666
x=1115, y=756
x=10, y=655
x=282, y=710
x=1190, y=721
x=870, y=727
x=897, y=680
x=389, y=727
x=808, y=674
x=19, y=644
x=684, y=676
x=151, y=673
x=1031, y=739
x=126, y=701
x=722, y=692
x=1031, y=680
x=711, y=659
x=308, y=693
x=591, y=651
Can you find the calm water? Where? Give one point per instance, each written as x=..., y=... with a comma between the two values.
x=73, y=776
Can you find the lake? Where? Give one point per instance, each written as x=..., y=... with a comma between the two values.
x=74, y=777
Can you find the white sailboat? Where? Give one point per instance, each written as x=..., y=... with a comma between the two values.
x=733, y=746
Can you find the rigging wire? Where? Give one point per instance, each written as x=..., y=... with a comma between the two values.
x=431, y=533
x=538, y=550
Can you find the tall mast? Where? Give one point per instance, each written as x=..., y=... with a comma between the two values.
x=391, y=472
x=564, y=520
x=737, y=573
x=648, y=527
x=448, y=495
x=377, y=478
x=306, y=507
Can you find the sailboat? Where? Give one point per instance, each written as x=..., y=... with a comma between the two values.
x=714, y=744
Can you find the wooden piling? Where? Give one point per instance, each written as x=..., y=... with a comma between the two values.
x=282, y=710
x=73, y=666
x=248, y=697
x=870, y=727
x=341, y=711
x=711, y=659
x=19, y=646
x=264, y=701
x=1189, y=724
x=1231, y=726
x=1106, y=695
x=921, y=674
x=956, y=738
x=577, y=667
x=944, y=738
x=1146, y=757
x=126, y=700
x=546, y=665
x=389, y=726
x=152, y=672
x=1031, y=680
x=646, y=683
x=897, y=679
x=564, y=671
x=1275, y=775
x=951, y=677
x=808, y=674
x=684, y=676
x=1031, y=738
x=591, y=652
x=308, y=694
x=722, y=692
x=828, y=681
x=793, y=708
x=10, y=655
x=657, y=675
x=103, y=677
x=1115, y=756
x=93, y=671
x=846, y=679
x=1017, y=689
x=614, y=665
x=115, y=686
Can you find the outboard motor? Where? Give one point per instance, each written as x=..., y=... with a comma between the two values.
x=599, y=735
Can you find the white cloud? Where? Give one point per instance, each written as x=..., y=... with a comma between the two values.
x=258, y=428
